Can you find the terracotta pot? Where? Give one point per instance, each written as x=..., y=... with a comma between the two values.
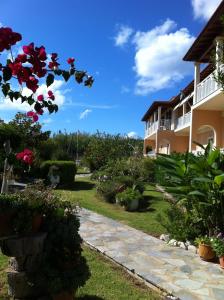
x=221, y=261
x=36, y=222
x=65, y=295
x=6, y=224
x=206, y=252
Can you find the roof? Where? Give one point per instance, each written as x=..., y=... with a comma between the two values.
x=155, y=105
x=200, y=51
x=174, y=100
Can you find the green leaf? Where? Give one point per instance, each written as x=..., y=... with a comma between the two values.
x=37, y=106
x=196, y=193
x=5, y=89
x=219, y=179
x=50, y=79
x=79, y=75
x=16, y=95
x=30, y=100
x=65, y=75
x=7, y=74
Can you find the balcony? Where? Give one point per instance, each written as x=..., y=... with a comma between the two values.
x=183, y=121
x=164, y=124
x=207, y=87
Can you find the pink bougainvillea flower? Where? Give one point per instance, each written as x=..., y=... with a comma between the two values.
x=29, y=50
x=54, y=56
x=25, y=156
x=32, y=84
x=30, y=114
x=40, y=98
x=70, y=60
x=33, y=115
x=8, y=38
x=51, y=95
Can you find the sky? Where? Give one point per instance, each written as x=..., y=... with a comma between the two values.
x=132, y=48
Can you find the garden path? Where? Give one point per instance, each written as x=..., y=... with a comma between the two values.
x=174, y=270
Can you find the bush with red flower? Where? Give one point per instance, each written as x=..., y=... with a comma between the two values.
x=28, y=68
x=26, y=156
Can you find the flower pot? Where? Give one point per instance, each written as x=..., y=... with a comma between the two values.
x=36, y=222
x=206, y=252
x=221, y=261
x=65, y=295
x=132, y=205
x=6, y=224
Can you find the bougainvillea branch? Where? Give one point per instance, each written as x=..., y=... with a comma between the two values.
x=28, y=67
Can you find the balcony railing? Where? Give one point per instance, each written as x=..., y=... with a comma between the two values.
x=165, y=124
x=183, y=121
x=207, y=86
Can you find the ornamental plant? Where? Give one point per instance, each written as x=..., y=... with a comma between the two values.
x=218, y=246
x=28, y=69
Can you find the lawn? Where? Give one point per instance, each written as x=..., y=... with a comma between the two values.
x=83, y=193
x=107, y=282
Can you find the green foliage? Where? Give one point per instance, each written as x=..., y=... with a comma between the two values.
x=104, y=147
x=203, y=240
x=180, y=225
x=127, y=196
x=218, y=246
x=66, y=170
x=197, y=185
x=107, y=190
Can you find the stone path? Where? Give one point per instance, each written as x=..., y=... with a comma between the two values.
x=175, y=270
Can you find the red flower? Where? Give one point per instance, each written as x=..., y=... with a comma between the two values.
x=53, y=65
x=40, y=98
x=40, y=112
x=70, y=61
x=29, y=49
x=32, y=84
x=8, y=38
x=25, y=156
x=51, y=95
x=32, y=114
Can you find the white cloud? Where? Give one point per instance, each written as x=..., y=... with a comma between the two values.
x=6, y=104
x=123, y=35
x=132, y=135
x=203, y=9
x=47, y=121
x=85, y=113
x=158, y=58
x=125, y=89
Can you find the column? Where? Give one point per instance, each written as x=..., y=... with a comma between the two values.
x=219, y=52
x=196, y=79
x=159, y=116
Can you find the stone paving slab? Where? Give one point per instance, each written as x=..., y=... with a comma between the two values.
x=175, y=270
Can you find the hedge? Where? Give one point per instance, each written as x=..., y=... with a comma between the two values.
x=66, y=170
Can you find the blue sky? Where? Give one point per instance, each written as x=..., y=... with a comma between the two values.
x=133, y=49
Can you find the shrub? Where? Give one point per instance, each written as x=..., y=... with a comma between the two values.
x=66, y=170
x=180, y=225
x=108, y=190
x=126, y=197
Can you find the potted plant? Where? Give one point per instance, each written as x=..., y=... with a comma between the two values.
x=129, y=198
x=218, y=247
x=205, y=249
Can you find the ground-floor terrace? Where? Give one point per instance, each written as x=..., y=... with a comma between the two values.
x=206, y=126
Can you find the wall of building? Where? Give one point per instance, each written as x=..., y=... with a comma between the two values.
x=176, y=143
x=150, y=143
x=207, y=118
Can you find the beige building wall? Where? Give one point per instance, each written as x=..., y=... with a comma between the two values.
x=213, y=121
x=176, y=143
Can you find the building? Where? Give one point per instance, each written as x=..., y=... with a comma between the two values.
x=197, y=113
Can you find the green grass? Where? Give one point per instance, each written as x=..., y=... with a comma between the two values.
x=83, y=193
x=107, y=282
x=3, y=286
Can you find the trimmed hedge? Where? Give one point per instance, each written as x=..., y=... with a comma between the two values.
x=66, y=170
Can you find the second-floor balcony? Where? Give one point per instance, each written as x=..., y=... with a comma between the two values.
x=183, y=121
x=164, y=124
x=207, y=86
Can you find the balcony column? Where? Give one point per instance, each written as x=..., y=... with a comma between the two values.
x=219, y=52
x=173, y=120
x=159, y=116
x=196, y=79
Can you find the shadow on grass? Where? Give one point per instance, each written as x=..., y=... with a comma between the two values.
x=79, y=186
x=89, y=297
x=146, y=203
